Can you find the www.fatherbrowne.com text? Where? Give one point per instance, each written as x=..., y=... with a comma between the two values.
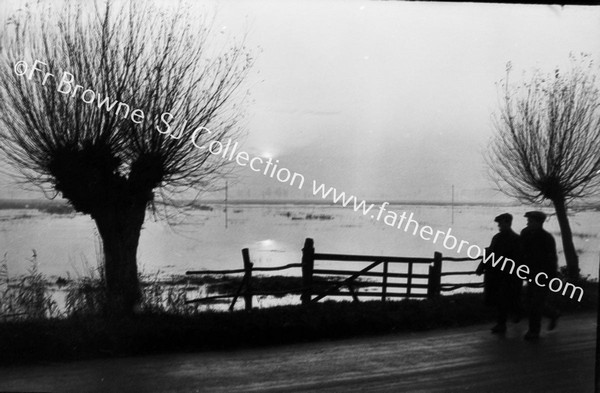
x=271, y=168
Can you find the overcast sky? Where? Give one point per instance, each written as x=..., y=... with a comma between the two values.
x=387, y=100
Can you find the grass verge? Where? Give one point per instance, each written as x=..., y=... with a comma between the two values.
x=91, y=337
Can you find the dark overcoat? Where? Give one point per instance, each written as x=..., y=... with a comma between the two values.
x=500, y=286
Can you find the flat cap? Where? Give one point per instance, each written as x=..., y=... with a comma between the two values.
x=536, y=215
x=504, y=217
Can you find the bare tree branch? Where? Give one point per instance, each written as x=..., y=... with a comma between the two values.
x=547, y=140
x=107, y=118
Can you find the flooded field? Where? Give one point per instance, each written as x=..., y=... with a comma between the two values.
x=67, y=244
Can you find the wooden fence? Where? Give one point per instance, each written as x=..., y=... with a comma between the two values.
x=429, y=283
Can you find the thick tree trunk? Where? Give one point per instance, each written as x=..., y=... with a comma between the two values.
x=90, y=178
x=567, y=239
x=119, y=227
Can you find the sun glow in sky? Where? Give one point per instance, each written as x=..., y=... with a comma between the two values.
x=384, y=99
x=394, y=100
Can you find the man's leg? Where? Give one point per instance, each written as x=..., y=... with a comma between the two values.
x=516, y=306
x=496, y=298
x=536, y=297
x=501, y=319
x=503, y=306
x=551, y=313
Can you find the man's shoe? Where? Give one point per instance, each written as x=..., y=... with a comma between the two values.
x=499, y=329
x=530, y=336
x=553, y=322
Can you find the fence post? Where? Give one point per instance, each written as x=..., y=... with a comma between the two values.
x=247, y=278
x=409, y=280
x=308, y=264
x=435, y=278
x=385, y=279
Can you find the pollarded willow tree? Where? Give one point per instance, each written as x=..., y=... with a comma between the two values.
x=546, y=145
x=148, y=78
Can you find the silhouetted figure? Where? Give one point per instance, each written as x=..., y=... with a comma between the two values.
x=502, y=289
x=539, y=253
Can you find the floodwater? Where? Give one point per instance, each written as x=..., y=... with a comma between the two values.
x=200, y=240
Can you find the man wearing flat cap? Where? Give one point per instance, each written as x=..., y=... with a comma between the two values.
x=539, y=253
x=502, y=289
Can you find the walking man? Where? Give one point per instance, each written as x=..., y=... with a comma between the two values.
x=539, y=253
x=502, y=289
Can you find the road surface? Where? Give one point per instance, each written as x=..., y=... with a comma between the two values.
x=454, y=360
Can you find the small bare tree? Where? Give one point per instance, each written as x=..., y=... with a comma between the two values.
x=108, y=161
x=546, y=144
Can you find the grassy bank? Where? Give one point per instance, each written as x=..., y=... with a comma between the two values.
x=88, y=337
